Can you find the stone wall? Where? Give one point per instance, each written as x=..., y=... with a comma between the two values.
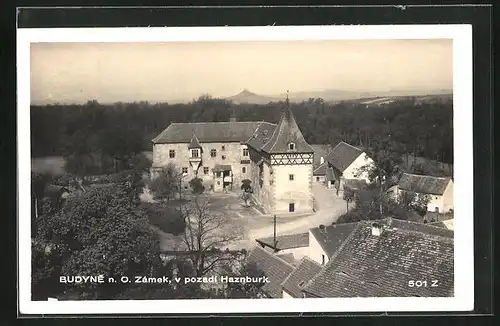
x=232, y=152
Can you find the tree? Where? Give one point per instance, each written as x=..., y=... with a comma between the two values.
x=386, y=166
x=206, y=236
x=166, y=183
x=101, y=232
x=197, y=186
x=39, y=182
x=246, y=185
x=348, y=196
x=167, y=219
x=243, y=290
x=121, y=143
x=414, y=201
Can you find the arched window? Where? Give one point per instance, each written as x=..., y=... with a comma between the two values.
x=291, y=146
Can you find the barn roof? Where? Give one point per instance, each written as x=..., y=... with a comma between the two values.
x=424, y=184
x=343, y=155
x=367, y=265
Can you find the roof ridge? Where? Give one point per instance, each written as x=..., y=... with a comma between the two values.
x=433, y=236
x=359, y=149
x=335, y=255
x=274, y=132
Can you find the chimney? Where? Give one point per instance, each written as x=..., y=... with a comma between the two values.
x=322, y=160
x=377, y=229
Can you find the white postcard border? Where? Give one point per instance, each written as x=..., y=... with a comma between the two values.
x=463, y=168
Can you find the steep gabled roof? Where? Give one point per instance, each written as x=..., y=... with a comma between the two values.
x=275, y=268
x=207, y=132
x=302, y=274
x=343, y=155
x=287, y=131
x=367, y=265
x=194, y=143
x=424, y=184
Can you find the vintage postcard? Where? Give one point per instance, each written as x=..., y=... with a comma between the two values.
x=252, y=169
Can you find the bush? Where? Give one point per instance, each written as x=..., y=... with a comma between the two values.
x=167, y=219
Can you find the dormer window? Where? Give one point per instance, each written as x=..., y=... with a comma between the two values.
x=195, y=153
x=291, y=146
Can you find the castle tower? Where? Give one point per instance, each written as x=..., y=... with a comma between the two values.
x=290, y=167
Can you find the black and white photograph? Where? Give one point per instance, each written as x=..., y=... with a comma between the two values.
x=213, y=167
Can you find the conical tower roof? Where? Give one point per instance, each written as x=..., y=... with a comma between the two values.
x=194, y=143
x=287, y=131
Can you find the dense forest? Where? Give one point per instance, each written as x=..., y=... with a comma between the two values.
x=418, y=129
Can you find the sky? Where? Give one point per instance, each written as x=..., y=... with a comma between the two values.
x=182, y=71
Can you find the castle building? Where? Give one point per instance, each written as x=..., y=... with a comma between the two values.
x=274, y=157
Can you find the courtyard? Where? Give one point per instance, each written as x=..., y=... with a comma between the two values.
x=248, y=223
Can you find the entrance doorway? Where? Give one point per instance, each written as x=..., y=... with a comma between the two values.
x=291, y=207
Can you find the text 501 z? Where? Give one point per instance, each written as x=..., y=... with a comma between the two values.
x=422, y=283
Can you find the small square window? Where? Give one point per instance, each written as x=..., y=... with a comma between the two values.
x=171, y=153
x=184, y=170
x=243, y=170
x=317, y=178
x=291, y=146
x=205, y=170
x=291, y=177
x=213, y=153
x=195, y=153
x=245, y=151
x=223, y=148
x=223, y=157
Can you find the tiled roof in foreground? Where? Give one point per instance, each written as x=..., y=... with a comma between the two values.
x=368, y=265
x=302, y=274
x=275, y=268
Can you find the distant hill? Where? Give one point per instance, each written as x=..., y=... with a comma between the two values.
x=248, y=97
x=333, y=95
